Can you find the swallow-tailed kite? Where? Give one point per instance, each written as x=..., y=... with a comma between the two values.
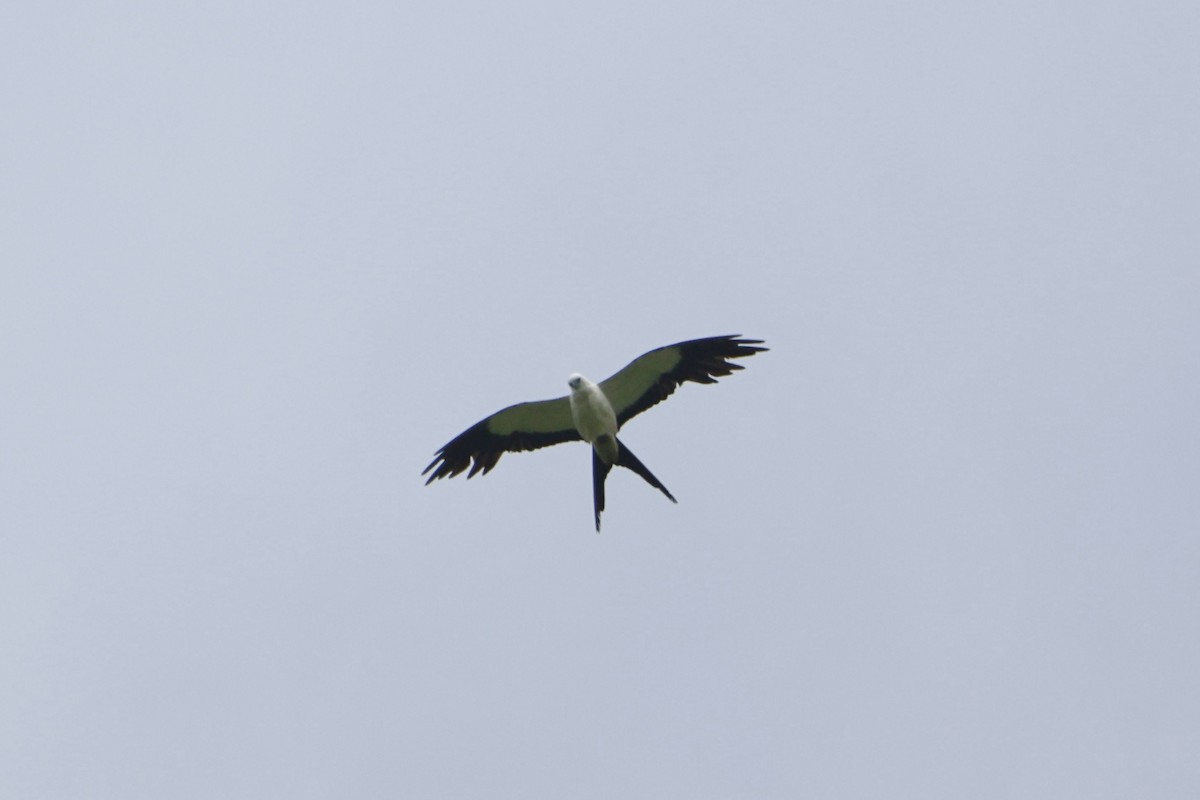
x=593, y=413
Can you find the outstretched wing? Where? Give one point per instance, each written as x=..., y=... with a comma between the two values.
x=525, y=426
x=651, y=378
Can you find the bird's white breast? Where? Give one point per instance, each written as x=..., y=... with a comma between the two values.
x=592, y=413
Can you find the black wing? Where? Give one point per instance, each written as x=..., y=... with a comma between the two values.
x=651, y=378
x=525, y=426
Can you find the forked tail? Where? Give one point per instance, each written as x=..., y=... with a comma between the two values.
x=625, y=458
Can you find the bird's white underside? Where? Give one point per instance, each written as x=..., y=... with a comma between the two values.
x=594, y=417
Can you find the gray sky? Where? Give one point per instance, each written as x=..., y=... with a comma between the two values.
x=260, y=261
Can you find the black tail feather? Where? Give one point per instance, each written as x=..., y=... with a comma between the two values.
x=600, y=471
x=626, y=458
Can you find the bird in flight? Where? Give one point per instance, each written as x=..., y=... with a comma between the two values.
x=593, y=413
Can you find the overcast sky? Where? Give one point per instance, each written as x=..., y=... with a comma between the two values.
x=260, y=260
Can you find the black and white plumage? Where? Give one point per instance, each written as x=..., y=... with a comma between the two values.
x=593, y=413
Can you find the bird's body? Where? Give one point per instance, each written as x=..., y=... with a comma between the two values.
x=594, y=417
x=593, y=413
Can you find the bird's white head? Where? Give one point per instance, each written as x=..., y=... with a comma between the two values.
x=575, y=381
